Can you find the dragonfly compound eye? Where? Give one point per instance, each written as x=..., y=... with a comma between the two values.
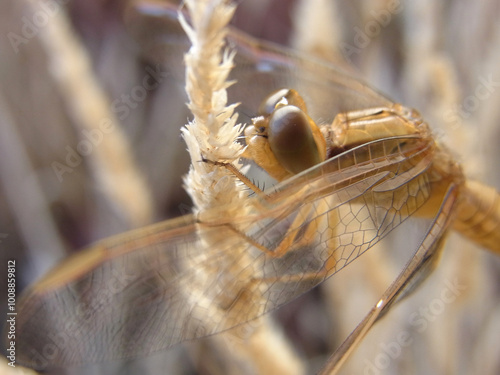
x=290, y=96
x=291, y=139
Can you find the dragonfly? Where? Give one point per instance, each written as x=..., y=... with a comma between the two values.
x=367, y=165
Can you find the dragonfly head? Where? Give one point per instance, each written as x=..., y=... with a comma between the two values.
x=284, y=140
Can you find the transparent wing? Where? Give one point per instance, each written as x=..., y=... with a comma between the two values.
x=149, y=289
x=260, y=67
x=422, y=262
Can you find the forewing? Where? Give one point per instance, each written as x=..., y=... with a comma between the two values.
x=132, y=295
x=260, y=67
x=149, y=289
x=348, y=205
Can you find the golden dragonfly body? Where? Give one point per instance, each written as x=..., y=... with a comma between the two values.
x=302, y=231
x=149, y=289
x=424, y=178
x=477, y=212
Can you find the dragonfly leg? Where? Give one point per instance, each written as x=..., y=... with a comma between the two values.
x=233, y=170
x=299, y=237
x=296, y=235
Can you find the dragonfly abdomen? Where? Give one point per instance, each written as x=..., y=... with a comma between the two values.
x=478, y=215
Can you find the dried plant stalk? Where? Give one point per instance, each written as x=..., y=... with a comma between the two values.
x=114, y=169
x=213, y=131
x=212, y=135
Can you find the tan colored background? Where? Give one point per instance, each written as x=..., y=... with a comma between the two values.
x=434, y=56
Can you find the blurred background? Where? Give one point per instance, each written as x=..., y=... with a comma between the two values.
x=64, y=72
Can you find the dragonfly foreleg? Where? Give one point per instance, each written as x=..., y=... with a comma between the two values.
x=301, y=236
x=234, y=171
x=302, y=231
